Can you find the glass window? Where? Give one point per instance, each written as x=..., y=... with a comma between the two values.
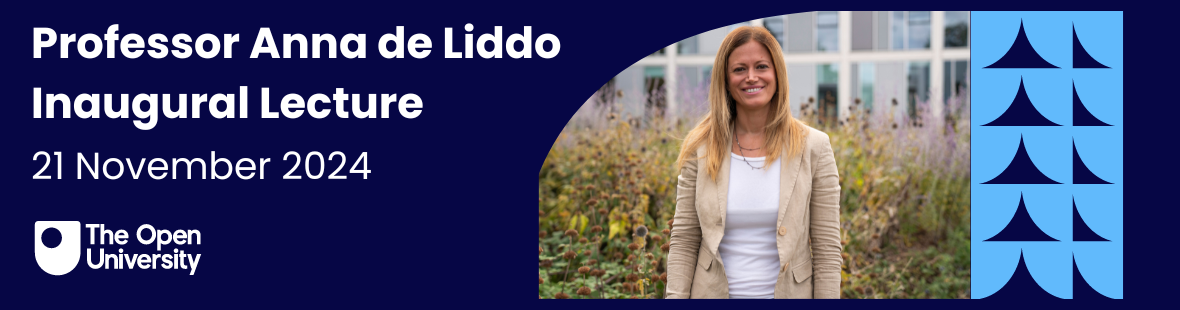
x=919, y=30
x=654, y=91
x=800, y=28
x=958, y=29
x=918, y=82
x=866, y=76
x=826, y=91
x=688, y=46
x=827, y=36
x=954, y=81
x=775, y=26
x=897, y=30
x=862, y=30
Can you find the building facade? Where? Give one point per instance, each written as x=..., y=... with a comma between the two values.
x=890, y=60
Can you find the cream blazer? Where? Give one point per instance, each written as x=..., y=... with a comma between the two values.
x=808, y=227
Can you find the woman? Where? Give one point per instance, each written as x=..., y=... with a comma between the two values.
x=757, y=202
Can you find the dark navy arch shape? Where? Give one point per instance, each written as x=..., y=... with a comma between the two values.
x=1081, y=231
x=1081, y=288
x=1082, y=115
x=1021, y=227
x=1082, y=58
x=1021, y=54
x=1022, y=286
x=1021, y=170
x=1082, y=174
x=1021, y=112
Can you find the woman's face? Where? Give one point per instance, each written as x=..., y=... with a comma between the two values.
x=751, y=75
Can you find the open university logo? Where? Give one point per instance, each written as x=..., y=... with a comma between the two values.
x=64, y=257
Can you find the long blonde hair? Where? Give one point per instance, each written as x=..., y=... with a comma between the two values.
x=715, y=130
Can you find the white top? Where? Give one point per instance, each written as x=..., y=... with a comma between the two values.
x=749, y=248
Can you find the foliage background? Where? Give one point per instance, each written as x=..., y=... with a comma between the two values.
x=905, y=199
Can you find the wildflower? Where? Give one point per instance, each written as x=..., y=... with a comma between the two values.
x=632, y=277
x=627, y=286
x=540, y=280
x=596, y=228
x=583, y=240
x=570, y=255
x=583, y=270
x=547, y=263
x=631, y=257
x=592, y=262
x=666, y=231
x=592, y=202
x=603, y=196
x=561, y=295
x=655, y=264
x=657, y=238
x=634, y=297
x=571, y=233
x=670, y=223
x=633, y=246
x=875, y=236
x=618, y=256
x=541, y=234
x=649, y=256
x=641, y=231
x=844, y=256
x=584, y=291
x=595, y=239
x=655, y=278
x=602, y=211
x=664, y=247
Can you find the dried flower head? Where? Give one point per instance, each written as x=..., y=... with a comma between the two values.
x=547, y=263
x=592, y=202
x=561, y=295
x=633, y=246
x=540, y=250
x=542, y=234
x=618, y=256
x=655, y=278
x=632, y=277
x=584, y=291
x=583, y=240
x=540, y=280
x=583, y=270
x=631, y=257
x=570, y=255
x=641, y=231
x=657, y=238
x=666, y=232
x=594, y=239
x=540, y=213
x=655, y=264
x=602, y=211
x=664, y=247
x=571, y=233
x=596, y=229
x=592, y=261
x=627, y=286
x=649, y=256
x=603, y=196
x=670, y=223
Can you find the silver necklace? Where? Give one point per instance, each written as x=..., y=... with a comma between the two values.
x=742, y=150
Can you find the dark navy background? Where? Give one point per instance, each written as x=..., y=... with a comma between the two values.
x=443, y=218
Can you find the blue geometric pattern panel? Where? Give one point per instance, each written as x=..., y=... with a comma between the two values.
x=1047, y=155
